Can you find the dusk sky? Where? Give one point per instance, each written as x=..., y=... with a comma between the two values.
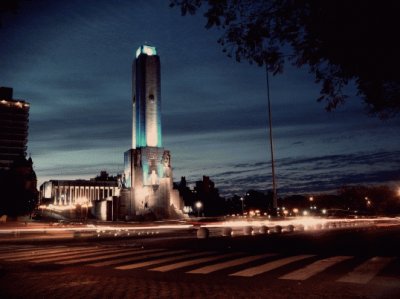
x=72, y=61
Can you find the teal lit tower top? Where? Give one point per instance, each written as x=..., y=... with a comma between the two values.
x=148, y=50
x=146, y=98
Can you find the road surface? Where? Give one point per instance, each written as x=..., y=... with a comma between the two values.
x=351, y=263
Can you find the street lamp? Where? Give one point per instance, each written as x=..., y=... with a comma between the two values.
x=311, y=199
x=271, y=144
x=242, y=200
x=368, y=201
x=198, y=207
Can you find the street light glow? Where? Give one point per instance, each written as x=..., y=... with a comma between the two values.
x=198, y=206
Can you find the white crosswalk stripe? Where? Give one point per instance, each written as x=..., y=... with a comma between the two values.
x=101, y=257
x=164, y=260
x=160, y=261
x=56, y=253
x=252, y=271
x=228, y=264
x=314, y=268
x=367, y=270
x=9, y=249
x=149, y=254
x=78, y=255
x=29, y=251
x=192, y=262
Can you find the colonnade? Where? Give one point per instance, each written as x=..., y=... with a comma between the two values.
x=66, y=195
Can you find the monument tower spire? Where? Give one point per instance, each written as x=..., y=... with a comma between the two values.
x=147, y=179
x=146, y=98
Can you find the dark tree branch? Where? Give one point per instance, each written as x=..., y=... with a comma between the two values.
x=339, y=40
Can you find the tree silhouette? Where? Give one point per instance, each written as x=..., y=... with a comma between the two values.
x=7, y=7
x=341, y=41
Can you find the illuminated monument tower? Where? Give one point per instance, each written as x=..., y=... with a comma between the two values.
x=147, y=181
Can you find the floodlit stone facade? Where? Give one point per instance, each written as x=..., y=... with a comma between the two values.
x=145, y=189
x=147, y=185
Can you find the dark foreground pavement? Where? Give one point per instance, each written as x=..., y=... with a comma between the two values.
x=26, y=279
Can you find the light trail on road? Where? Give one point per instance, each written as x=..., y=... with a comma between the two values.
x=249, y=226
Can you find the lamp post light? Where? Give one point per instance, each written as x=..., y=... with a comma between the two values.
x=295, y=211
x=242, y=200
x=368, y=201
x=198, y=207
x=311, y=199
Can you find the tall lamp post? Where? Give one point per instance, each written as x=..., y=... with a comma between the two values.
x=274, y=196
x=242, y=200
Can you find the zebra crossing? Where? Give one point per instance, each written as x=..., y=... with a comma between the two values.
x=366, y=271
x=314, y=268
x=269, y=266
x=232, y=264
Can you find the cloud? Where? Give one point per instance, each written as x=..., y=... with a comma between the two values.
x=311, y=175
x=72, y=61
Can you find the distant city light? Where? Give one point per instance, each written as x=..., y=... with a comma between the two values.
x=198, y=206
